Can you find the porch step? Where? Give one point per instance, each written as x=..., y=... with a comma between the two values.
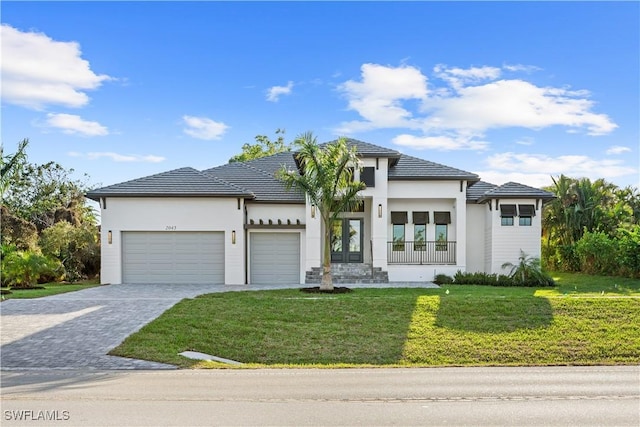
x=349, y=273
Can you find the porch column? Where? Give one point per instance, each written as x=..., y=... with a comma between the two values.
x=461, y=231
x=313, y=235
x=379, y=232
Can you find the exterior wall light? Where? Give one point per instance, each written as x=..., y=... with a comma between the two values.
x=109, y=237
x=380, y=211
x=233, y=237
x=313, y=211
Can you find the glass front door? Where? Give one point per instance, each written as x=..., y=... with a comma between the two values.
x=346, y=240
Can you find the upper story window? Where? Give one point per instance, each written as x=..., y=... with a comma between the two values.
x=368, y=176
x=507, y=213
x=527, y=212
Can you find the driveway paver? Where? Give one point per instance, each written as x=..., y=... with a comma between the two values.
x=77, y=329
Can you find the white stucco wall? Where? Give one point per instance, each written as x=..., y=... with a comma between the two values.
x=476, y=237
x=275, y=212
x=171, y=215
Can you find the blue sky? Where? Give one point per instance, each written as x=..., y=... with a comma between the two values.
x=511, y=91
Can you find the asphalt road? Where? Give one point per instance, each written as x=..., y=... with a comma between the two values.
x=561, y=396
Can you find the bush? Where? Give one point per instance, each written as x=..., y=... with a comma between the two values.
x=598, y=254
x=629, y=252
x=24, y=269
x=442, y=279
x=528, y=272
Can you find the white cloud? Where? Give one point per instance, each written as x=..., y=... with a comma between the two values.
x=118, y=157
x=377, y=98
x=521, y=68
x=618, y=149
x=275, y=92
x=471, y=102
x=525, y=141
x=527, y=168
x=38, y=71
x=204, y=128
x=458, y=77
x=440, y=143
x=72, y=124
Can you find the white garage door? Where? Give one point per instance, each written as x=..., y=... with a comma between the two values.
x=275, y=258
x=173, y=257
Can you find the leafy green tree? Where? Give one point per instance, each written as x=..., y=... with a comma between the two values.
x=528, y=271
x=39, y=193
x=75, y=246
x=326, y=177
x=262, y=148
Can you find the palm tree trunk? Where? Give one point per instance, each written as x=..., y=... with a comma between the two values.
x=327, y=282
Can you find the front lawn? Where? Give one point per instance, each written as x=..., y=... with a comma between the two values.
x=454, y=325
x=49, y=289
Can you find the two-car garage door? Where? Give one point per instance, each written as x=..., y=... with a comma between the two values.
x=173, y=257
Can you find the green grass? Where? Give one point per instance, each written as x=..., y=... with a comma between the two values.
x=470, y=325
x=50, y=289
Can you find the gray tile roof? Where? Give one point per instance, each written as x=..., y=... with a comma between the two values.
x=514, y=190
x=260, y=176
x=176, y=183
x=256, y=179
x=477, y=190
x=413, y=168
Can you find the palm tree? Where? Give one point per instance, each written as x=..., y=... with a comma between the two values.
x=527, y=270
x=325, y=175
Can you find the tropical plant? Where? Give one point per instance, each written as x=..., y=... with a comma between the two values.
x=528, y=271
x=23, y=269
x=11, y=165
x=325, y=175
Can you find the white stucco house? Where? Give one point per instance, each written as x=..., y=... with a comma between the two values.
x=237, y=224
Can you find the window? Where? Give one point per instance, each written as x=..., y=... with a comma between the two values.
x=420, y=221
x=441, y=237
x=524, y=220
x=506, y=220
x=527, y=212
x=419, y=237
x=368, y=176
x=398, y=237
x=507, y=212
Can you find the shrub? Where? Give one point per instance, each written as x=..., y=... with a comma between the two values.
x=24, y=269
x=442, y=279
x=598, y=254
x=629, y=251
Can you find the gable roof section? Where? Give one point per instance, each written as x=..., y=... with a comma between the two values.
x=184, y=182
x=260, y=176
x=413, y=168
x=514, y=190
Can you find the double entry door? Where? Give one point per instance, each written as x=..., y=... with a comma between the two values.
x=346, y=240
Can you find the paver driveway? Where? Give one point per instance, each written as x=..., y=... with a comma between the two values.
x=77, y=329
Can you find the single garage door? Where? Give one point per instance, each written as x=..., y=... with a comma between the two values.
x=275, y=258
x=172, y=257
